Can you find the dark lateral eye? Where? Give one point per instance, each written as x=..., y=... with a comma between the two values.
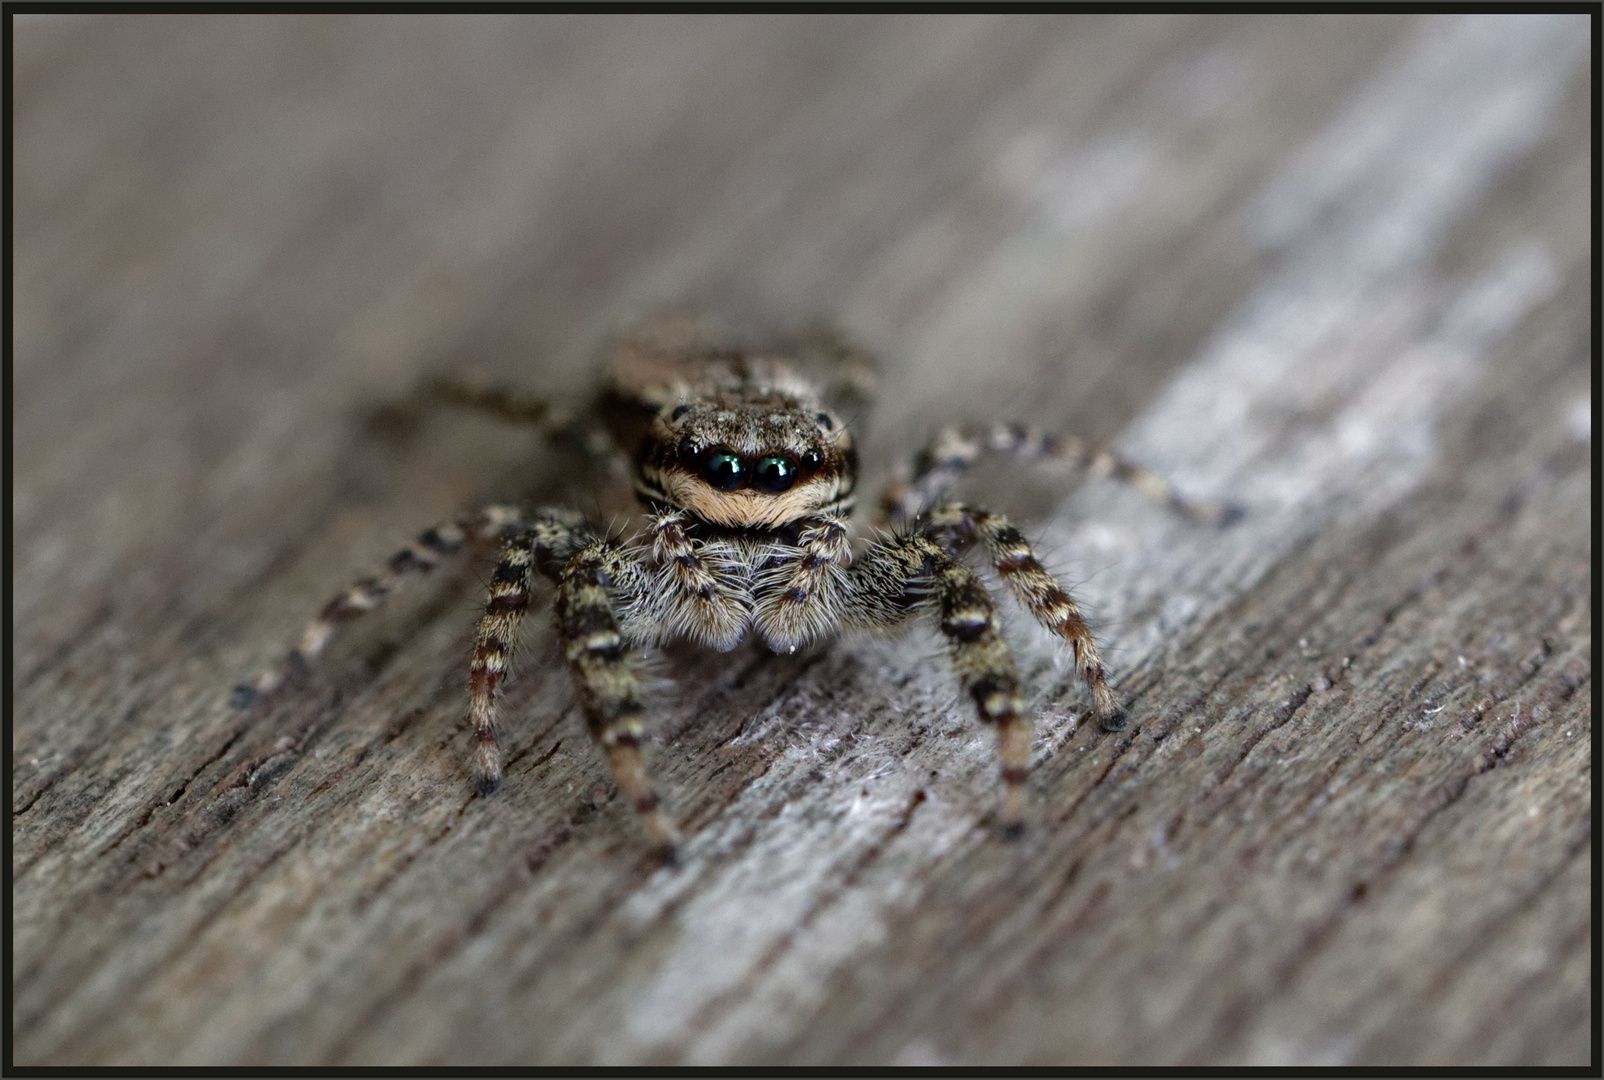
x=724, y=469
x=774, y=473
x=811, y=459
x=679, y=411
x=824, y=421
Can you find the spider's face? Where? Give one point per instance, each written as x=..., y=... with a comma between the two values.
x=749, y=464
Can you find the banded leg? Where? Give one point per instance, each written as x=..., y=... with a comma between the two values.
x=419, y=556
x=1039, y=591
x=545, y=544
x=605, y=678
x=954, y=450
x=912, y=569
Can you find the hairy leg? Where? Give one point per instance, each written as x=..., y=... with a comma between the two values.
x=564, y=426
x=545, y=544
x=954, y=450
x=1039, y=591
x=490, y=524
x=908, y=571
x=604, y=674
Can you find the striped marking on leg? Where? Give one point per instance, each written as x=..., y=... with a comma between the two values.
x=420, y=556
x=986, y=664
x=1042, y=594
x=492, y=654
x=605, y=679
x=955, y=450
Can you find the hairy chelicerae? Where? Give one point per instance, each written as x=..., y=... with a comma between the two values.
x=747, y=473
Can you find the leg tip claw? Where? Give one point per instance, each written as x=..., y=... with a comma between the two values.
x=488, y=786
x=1115, y=720
x=1012, y=831
x=243, y=697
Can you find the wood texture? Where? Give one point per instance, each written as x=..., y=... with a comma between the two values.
x=1335, y=268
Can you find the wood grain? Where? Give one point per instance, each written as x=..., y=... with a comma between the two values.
x=1334, y=268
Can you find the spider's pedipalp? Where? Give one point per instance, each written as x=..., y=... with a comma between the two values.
x=801, y=595
x=419, y=556
x=699, y=597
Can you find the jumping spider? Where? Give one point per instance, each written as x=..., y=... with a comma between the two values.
x=747, y=474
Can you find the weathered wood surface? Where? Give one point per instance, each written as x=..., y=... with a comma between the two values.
x=1334, y=268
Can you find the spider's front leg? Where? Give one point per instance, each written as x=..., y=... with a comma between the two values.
x=900, y=573
x=604, y=673
x=585, y=567
x=1039, y=591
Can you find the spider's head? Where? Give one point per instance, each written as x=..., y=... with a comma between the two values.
x=749, y=463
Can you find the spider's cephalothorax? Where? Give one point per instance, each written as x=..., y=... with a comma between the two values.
x=747, y=471
x=747, y=446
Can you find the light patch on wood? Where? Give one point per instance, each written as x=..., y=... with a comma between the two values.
x=782, y=893
x=1302, y=343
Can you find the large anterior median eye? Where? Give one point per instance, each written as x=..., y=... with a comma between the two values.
x=774, y=473
x=724, y=469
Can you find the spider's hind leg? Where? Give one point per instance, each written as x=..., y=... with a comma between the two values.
x=417, y=557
